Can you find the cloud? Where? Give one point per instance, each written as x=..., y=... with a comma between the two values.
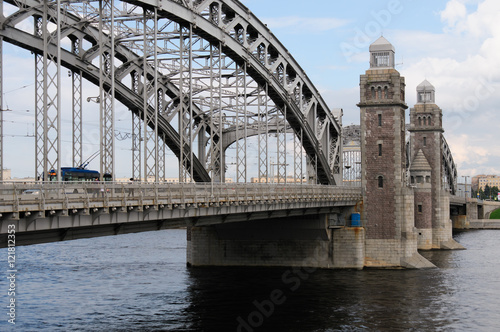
x=463, y=64
x=454, y=12
x=305, y=24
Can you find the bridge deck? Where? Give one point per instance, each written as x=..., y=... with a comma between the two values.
x=38, y=207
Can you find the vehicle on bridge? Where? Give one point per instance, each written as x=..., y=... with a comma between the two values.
x=78, y=174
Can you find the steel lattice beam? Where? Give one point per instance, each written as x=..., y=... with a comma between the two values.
x=194, y=76
x=1, y=102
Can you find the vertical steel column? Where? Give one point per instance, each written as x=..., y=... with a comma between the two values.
x=298, y=163
x=281, y=144
x=335, y=156
x=182, y=157
x=221, y=155
x=185, y=113
x=51, y=94
x=136, y=133
x=162, y=154
x=215, y=165
x=263, y=132
x=76, y=78
x=107, y=89
x=150, y=93
x=191, y=122
x=1, y=100
x=160, y=147
x=212, y=157
x=241, y=121
x=39, y=110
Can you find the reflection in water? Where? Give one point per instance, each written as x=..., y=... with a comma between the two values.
x=139, y=282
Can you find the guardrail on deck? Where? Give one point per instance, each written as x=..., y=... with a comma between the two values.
x=18, y=197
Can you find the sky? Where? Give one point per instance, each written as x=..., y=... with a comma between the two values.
x=453, y=44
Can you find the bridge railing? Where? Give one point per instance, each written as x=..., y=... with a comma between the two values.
x=40, y=196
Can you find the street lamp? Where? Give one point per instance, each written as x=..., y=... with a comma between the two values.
x=465, y=179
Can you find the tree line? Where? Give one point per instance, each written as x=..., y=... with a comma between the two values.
x=487, y=193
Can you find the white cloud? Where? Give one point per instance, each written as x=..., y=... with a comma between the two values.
x=463, y=64
x=454, y=12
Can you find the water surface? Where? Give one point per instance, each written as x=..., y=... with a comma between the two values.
x=140, y=282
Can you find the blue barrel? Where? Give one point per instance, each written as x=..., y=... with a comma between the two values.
x=355, y=220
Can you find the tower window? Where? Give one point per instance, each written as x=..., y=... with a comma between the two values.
x=386, y=93
x=381, y=59
x=379, y=120
x=380, y=149
x=425, y=141
x=380, y=181
x=425, y=96
x=419, y=208
x=373, y=93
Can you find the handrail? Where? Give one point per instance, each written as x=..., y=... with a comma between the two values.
x=39, y=196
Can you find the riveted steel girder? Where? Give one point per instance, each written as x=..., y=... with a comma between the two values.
x=250, y=59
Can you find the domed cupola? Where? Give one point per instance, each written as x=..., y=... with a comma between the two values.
x=426, y=93
x=381, y=54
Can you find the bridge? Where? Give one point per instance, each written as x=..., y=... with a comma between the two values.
x=210, y=83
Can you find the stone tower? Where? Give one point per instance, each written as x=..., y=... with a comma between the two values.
x=388, y=214
x=432, y=212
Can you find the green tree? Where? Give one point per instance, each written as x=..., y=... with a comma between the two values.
x=481, y=194
x=494, y=192
x=487, y=192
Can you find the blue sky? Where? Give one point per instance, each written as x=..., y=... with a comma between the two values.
x=454, y=44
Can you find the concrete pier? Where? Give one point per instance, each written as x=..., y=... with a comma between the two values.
x=306, y=241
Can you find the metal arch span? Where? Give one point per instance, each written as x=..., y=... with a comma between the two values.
x=449, y=169
x=247, y=40
x=241, y=57
x=127, y=96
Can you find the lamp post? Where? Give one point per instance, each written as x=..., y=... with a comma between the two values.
x=465, y=179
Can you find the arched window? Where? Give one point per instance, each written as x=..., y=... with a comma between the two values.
x=386, y=93
x=429, y=120
x=379, y=94
x=380, y=120
x=380, y=180
x=373, y=93
x=419, y=121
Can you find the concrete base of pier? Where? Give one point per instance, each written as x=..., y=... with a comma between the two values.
x=305, y=241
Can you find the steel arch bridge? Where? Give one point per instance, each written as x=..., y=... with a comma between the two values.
x=197, y=75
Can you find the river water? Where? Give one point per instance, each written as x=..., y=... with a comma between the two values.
x=140, y=282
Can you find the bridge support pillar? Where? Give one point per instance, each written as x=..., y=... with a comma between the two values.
x=305, y=241
x=442, y=227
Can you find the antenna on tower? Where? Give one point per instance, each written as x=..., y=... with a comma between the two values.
x=401, y=63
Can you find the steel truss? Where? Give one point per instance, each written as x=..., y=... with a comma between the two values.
x=1, y=102
x=207, y=76
x=450, y=175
